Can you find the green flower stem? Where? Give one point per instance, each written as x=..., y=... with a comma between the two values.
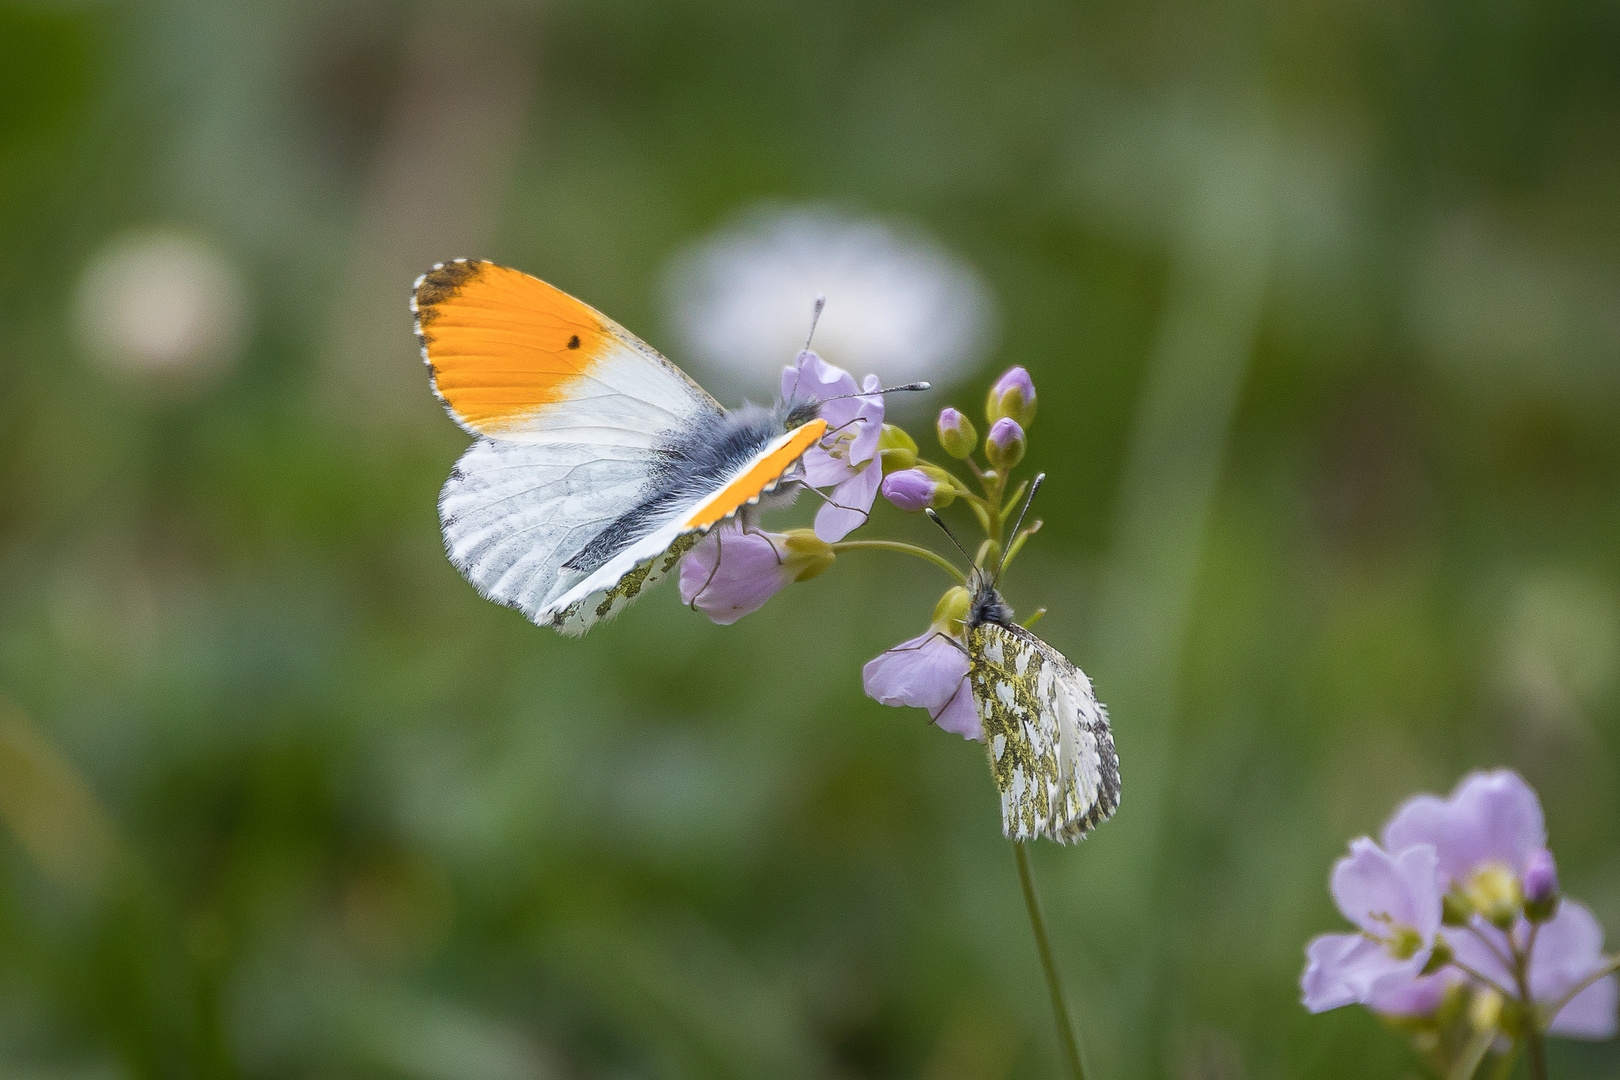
x=1468, y=1062
x=1535, y=1049
x=1054, y=982
x=1504, y=1064
x=1013, y=500
x=909, y=549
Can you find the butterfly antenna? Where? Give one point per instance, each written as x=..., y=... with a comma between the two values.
x=902, y=388
x=815, y=317
x=1035, y=485
x=937, y=520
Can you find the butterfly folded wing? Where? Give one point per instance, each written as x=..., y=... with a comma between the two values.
x=606, y=591
x=1050, y=747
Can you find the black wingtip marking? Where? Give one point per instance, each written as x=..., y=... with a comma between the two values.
x=441, y=283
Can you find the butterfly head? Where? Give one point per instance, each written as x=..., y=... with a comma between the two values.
x=985, y=604
x=795, y=412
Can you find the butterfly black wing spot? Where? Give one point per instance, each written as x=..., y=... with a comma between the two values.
x=573, y=342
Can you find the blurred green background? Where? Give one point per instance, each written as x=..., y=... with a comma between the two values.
x=1323, y=305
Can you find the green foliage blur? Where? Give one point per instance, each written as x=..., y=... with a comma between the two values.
x=1323, y=305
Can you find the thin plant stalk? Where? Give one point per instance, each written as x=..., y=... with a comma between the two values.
x=1054, y=981
x=1535, y=1048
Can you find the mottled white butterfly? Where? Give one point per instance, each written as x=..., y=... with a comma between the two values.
x=1050, y=747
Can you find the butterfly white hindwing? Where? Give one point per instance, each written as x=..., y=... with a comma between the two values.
x=514, y=514
x=1050, y=747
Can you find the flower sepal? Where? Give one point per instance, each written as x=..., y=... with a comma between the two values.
x=951, y=613
x=806, y=555
x=896, y=449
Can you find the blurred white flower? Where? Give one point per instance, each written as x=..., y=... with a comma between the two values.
x=160, y=303
x=898, y=304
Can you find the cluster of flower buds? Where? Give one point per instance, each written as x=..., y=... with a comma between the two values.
x=930, y=671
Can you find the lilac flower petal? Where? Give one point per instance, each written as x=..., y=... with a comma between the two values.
x=1418, y=997
x=1591, y=1013
x=749, y=573
x=960, y=716
x=1374, y=890
x=1469, y=943
x=812, y=377
x=1569, y=949
x=1346, y=969
x=822, y=469
x=850, y=505
x=924, y=672
x=868, y=424
x=1491, y=816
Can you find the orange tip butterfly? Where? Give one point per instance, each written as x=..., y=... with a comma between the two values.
x=598, y=462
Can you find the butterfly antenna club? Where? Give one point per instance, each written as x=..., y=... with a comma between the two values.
x=815, y=317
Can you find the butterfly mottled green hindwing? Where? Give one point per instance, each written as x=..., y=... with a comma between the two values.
x=1051, y=751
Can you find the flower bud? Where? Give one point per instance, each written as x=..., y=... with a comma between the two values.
x=952, y=611
x=956, y=434
x=1012, y=397
x=896, y=449
x=1494, y=892
x=1455, y=910
x=1005, y=444
x=921, y=488
x=805, y=555
x=1540, y=886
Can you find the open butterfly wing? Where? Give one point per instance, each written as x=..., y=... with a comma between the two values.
x=1051, y=750
x=577, y=418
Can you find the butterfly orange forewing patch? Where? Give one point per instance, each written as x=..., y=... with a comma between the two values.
x=502, y=344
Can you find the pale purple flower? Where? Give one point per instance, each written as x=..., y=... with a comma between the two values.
x=1491, y=817
x=1485, y=845
x=927, y=672
x=1394, y=901
x=1568, y=949
x=845, y=458
x=731, y=573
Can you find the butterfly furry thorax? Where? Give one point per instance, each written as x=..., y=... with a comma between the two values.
x=1051, y=751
